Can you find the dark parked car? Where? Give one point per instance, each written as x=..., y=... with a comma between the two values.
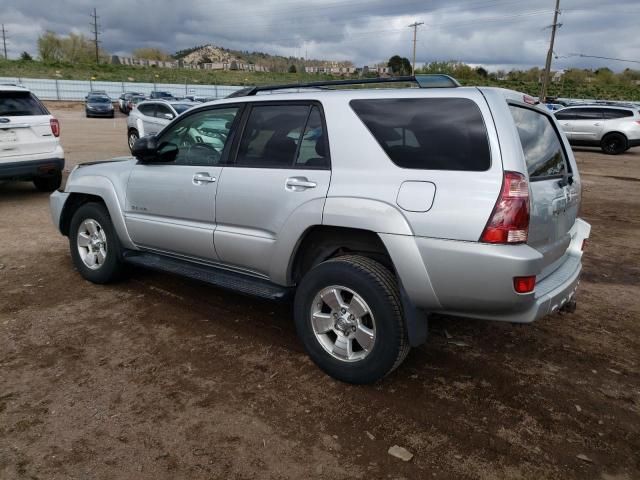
x=99, y=106
x=158, y=95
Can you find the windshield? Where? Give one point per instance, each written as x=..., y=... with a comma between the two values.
x=99, y=99
x=20, y=104
x=181, y=107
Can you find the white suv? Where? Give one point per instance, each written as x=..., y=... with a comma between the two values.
x=29, y=145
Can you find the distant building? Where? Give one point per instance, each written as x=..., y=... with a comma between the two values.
x=233, y=65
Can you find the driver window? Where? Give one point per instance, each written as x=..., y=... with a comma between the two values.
x=200, y=137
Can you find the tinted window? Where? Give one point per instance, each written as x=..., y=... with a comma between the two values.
x=181, y=107
x=147, y=109
x=271, y=135
x=540, y=143
x=587, y=113
x=313, y=147
x=20, y=104
x=200, y=138
x=162, y=110
x=565, y=115
x=613, y=113
x=428, y=133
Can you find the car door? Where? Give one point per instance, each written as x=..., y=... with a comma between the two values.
x=162, y=117
x=170, y=205
x=586, y=127
x=565, y=117
x=145, y=117
x=281, y=166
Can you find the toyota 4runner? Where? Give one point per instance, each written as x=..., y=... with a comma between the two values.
x=371, y=207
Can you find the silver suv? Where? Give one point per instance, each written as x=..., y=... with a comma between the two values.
x=614, y=129
x=149, y=117
x=371, y=207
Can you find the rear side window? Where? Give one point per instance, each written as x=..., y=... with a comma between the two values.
x=428, y=133
x=613, y=113
x=542, y=149
x=20, y=104
x=272, y=135
x=587, y=113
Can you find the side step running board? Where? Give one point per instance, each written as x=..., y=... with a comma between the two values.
x=219, y=277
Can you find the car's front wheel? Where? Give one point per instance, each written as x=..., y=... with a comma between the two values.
x=95, y=248
x=132, y=137
x=348, y=315
x=614, y=144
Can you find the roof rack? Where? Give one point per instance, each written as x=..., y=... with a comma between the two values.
x=423, y=81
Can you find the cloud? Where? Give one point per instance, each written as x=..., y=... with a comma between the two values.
x=493, y=33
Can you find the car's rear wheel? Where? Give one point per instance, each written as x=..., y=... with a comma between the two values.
x=132, y=137
x=95, y=248
x=348, y=315
x=614, y=144
x=48, y=183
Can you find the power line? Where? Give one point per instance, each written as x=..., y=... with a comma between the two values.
x=95, y=32
x=547, y=66
x=415, y=26
x=603, y=58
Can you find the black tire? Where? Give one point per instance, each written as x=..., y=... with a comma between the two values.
x=132, y=136
x=49, y=183
x=113, y=267
x=377, y=286
x=614, y=144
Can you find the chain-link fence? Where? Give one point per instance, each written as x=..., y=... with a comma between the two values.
x=56, y=89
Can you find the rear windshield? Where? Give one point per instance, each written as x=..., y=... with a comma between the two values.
x=20, y=104
x=428, y=133
x=540, y=143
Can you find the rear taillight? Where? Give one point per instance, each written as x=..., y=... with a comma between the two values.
x=509, y=221
x=524, y=284
x=55, y=127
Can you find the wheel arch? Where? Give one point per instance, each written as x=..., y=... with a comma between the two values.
x=96, y=188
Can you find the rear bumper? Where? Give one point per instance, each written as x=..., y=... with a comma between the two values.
x=28, y=169
x=475, y=280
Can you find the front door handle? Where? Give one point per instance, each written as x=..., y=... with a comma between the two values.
x=597, y=124
x=298, y=184
x=201, y=178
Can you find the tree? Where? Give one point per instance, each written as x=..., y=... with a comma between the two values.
x=293, y=69
x=482, y=72
x=73, y=48
x=26, y=57
x=151, y=54
x=49, y=47
x=399, y=65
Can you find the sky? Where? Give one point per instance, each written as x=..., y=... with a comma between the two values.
x=497, y=34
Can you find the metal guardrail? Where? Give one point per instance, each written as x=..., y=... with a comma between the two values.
x=55, y=89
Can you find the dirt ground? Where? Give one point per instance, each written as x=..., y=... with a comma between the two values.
x=164, y=378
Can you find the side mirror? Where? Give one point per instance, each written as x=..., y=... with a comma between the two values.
x=147, y=150
x=168, y=116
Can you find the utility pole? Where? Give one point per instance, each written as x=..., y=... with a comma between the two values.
x=547, y=66
x=4, y=41
x=95, y=32
x=415, y=26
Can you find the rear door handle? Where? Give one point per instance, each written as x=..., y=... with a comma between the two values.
x=202, y=178
x=298, y=184
x=597, y=124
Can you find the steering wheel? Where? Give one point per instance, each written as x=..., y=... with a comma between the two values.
x=196, y=149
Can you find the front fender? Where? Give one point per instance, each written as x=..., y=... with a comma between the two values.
x=103, y=187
